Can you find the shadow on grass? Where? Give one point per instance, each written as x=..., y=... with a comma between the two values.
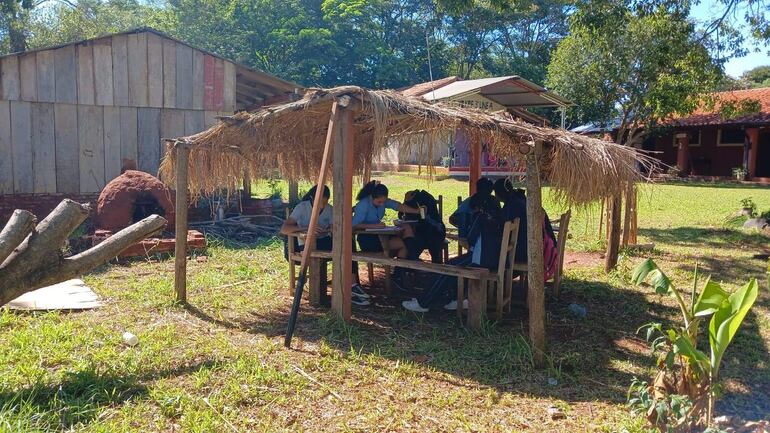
x=80, y=397
x=584, y=355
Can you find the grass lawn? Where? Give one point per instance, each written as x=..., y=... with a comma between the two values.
x=219, y=364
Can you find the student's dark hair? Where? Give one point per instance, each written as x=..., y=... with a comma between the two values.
x=503, y=187
x=310, y=195
x=485, y=203
x=373, y=189
x=484, y=186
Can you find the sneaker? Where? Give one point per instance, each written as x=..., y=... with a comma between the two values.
x=357, y=290
x=359, y=301
x=452, y=306
x=413, y=305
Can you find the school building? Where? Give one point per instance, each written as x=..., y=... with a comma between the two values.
x=713, y=143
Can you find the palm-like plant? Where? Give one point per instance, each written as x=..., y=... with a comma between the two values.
x=684, y=370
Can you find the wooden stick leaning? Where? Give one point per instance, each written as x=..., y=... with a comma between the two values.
x=311, y=229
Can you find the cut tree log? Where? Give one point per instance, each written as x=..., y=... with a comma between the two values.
x=19, y=226
x=36, y=259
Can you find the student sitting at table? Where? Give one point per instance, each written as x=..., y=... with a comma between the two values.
x=368, y=213
x=515, y=206
x=429, y=230
x=299, y=220
x=461, y=218
x=484, y=236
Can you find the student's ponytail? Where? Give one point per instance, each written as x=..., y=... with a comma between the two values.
x=373, y=189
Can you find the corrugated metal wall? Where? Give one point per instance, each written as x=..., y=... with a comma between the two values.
x=70, y=117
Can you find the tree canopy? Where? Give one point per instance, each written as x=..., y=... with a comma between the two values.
x=630, y=66
x=394, y=43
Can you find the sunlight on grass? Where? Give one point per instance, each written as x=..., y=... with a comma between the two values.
x=219, y=363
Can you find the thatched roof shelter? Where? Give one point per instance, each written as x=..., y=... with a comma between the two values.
x=289, y=138
x=350, y=125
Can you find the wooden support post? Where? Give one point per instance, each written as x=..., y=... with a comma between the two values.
x=753, y=136
x=246, y=194
x=613, y=237
x=342, y=252
x=317, y=280
x=460, y=297
x=477, y=303
x=535, y=265
x=601, y=221
x=293, y=192
x=180, y=247
x=683, y=153
x=630, y=192
x=311, y=228
x=634, y=218
x=474, y=171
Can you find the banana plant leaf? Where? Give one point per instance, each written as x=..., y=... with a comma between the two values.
x=658, y=279
x=697, y=359
x=727, y=319
x=711, y=299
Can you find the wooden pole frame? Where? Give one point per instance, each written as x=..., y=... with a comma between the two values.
x=613, y=237
x=474, y=171
x=342, y=231
x=311, y=228
x=180, y=245
x=535, y=264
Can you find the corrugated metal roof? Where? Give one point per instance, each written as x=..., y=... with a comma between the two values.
x=508, y=91
x=423, y=88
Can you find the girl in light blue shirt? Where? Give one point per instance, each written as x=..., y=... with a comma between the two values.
x=368, y=213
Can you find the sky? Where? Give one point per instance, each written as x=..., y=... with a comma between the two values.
x=709, y=9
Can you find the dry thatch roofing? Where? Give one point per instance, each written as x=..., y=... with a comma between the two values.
x=289, y=139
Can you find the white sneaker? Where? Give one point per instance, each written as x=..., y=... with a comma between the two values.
x=413, y=305
x=452, y=306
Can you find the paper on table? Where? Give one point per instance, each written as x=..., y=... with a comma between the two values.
x=384, y=231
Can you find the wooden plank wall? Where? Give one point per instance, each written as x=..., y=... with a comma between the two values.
x=72, y=118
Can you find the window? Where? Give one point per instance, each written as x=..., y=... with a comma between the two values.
x=694, y=138
x=731, y=137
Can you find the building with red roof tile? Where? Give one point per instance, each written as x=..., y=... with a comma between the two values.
x=729, y=134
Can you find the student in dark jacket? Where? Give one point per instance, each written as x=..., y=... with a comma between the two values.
x=461, y=218
x=515, y=206
x=484, y=238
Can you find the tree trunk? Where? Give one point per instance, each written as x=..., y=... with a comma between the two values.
x=36, y=259
x=16, y=35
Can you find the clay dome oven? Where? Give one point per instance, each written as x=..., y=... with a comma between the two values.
x=131, y=197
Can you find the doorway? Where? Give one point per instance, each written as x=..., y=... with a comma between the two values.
x=763, y=155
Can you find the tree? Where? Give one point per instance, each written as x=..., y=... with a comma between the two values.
x=62, y=23
x=757, y=77
x=14, y=18
x=632, y=66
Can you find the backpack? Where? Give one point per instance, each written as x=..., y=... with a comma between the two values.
x=550, y=251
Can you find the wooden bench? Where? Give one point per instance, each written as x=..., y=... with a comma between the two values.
x=479, y=280
x=477, y=277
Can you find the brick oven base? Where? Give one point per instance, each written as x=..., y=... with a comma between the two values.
x=195, y=241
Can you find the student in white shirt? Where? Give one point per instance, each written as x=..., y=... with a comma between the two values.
x=299, y=220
